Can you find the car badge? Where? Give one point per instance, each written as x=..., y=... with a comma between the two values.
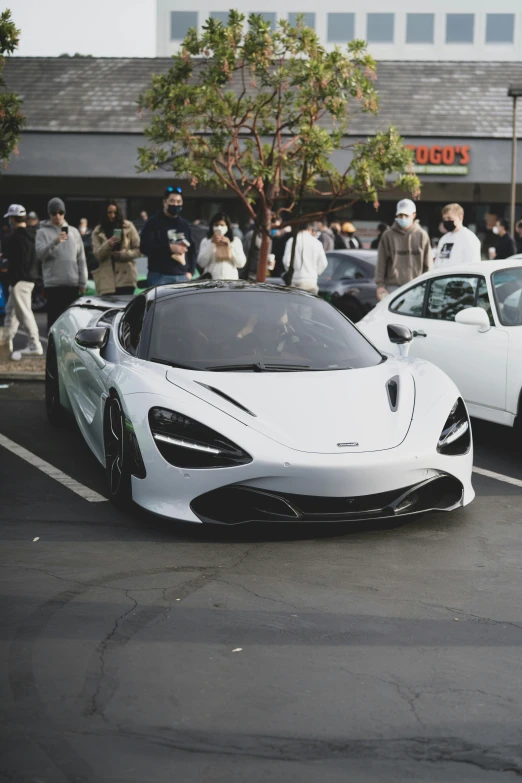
x=342, y=445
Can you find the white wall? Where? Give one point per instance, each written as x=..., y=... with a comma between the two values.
x=399, y=50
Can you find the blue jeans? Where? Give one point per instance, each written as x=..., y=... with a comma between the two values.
x=156, y=278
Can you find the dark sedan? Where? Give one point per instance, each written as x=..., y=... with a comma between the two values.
x=348, y=282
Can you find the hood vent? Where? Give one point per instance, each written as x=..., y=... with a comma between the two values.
x=226, y=397
x=392, y=387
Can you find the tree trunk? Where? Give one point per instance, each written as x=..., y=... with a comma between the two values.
x=265, y=245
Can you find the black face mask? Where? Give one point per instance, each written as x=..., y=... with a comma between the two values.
x=174, y=209
x=449, y=225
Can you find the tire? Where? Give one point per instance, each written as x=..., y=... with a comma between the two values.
x=117, y=455
x=56, y=413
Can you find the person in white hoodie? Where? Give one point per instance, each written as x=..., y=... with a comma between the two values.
x=309, y=261
x=221, y=254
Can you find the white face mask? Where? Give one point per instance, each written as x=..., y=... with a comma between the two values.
x=404, y=222
x=495, y=229
x=220, y=230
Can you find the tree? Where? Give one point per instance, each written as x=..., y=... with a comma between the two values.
x=11, y=118
x=260, y=112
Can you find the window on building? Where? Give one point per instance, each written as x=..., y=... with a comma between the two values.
x=419, y=28
x=221, y=16
x=380, y=28
x=460, y=28
x=309, y=19
x=500, y=28
x=181, y=22
x=268, y=17
x=341, y=28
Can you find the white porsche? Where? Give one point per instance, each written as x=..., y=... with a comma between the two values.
x=231, y=402
x=468, y=321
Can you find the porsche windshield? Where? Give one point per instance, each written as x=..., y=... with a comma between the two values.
x=255, y=331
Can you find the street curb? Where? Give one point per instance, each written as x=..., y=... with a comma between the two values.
x=22, y=376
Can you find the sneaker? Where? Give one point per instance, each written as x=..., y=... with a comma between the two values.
x=32, y=349
x=16, y=356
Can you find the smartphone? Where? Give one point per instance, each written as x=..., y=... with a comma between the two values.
x=65, y=229
x=117, y=234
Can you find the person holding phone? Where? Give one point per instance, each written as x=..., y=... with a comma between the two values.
x=166, y=240
x=221, y=254
x=60, y=249
x=116, y=245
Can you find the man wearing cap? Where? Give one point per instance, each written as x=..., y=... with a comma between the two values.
x=404, y=251
x=348, y=234
x=59, y=247
x=166, y=240
x=19, y=250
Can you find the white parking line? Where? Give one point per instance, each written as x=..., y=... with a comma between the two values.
x=498, y=476
x=49, y=470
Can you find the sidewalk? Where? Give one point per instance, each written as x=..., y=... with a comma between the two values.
x=32, y=369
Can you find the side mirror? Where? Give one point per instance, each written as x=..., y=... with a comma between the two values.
x=474, y=316
x=400, y=335
x=92, y=337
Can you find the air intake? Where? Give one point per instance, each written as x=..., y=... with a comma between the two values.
x=392, y=387
x=227, y=398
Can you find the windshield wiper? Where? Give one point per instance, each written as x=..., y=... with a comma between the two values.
x=259, y=367
x=174, y=364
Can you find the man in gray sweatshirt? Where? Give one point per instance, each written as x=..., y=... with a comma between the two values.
x=60, y=249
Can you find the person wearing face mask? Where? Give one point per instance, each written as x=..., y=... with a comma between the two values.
x=459, y=245
x=404, y=251
x=505, y=245
x=221, y=254
x=116, y=245
x=166, y=240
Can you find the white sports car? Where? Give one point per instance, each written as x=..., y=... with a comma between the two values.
x=468, y=321
x=231, y=402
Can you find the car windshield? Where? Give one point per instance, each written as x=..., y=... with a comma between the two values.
x=507, y=286
x=255, y=330
x=342, y=267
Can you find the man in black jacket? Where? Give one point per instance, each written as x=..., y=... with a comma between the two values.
x=505, y=246
x=167, y=242
x=19, y=250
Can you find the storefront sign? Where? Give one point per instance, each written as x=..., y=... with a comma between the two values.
x=438, y=159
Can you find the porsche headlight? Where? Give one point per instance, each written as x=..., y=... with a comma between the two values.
x=186, y=443
x=455, y=438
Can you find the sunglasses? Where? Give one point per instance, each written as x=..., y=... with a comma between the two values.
x=53, y=214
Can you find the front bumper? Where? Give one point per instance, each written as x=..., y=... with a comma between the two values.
x=237, y=504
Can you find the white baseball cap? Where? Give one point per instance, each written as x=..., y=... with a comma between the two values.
x=15, y=210
x=405, y=207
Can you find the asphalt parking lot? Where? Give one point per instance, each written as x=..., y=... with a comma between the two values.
x=133, y=649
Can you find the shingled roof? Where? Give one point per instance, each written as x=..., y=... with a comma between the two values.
x=98, y=95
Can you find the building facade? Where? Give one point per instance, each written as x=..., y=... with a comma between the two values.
x=83, y=133
x=472, y=30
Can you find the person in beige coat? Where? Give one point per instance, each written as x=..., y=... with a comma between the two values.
x=116, y=245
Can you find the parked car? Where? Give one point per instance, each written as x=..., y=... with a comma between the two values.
x=196, y=399
x=468, y=321
x=348, y=282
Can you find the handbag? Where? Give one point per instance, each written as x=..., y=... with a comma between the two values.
x=288, y=276
x=223, y=253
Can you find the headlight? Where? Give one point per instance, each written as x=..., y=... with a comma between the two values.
x=186, y=443
x=455, y=438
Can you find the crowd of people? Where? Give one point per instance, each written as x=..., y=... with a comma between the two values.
x=176, y=250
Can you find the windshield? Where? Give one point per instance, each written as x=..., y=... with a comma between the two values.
x=507, y=286
x=256, y=331
x=342, y=267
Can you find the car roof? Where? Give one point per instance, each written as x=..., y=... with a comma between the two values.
x=473, y=268
x=370, y=256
